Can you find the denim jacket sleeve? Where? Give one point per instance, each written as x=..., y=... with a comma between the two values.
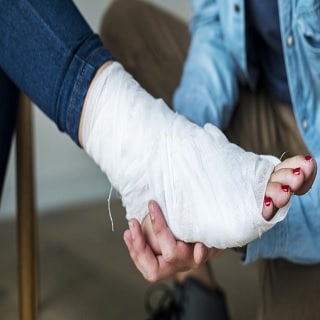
x=208, y=89
x=297, y=238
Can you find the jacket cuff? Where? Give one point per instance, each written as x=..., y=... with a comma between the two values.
x=271, y=244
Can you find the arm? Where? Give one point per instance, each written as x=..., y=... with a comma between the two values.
x=208, y=89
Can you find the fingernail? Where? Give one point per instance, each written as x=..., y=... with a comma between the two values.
x=308, y=157
x=151, y=206
x=131, y=227
x=126, y=237
x=267, y=201
x=151, y=211
x=285, y=188
x=296, y=171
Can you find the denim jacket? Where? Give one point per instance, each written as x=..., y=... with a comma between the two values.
x=209, y=90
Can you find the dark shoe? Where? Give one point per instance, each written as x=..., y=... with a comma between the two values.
x=189, y=300
x=160, y=303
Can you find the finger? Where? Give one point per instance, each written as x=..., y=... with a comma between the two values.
x=162, y=270
x=137, y=236
x=134, y=247
x=134, y=254
x=140, y=252
x=173, y=251
x=200, y=253
x=156, y=216
x=153, y=267
x=203, y=254
x=128, y=241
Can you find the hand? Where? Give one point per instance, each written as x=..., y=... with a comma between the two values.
x=155, y=251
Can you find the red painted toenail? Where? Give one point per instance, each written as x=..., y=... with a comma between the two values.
x=267, y=201
x=308, y=157
x=296, y=171
x=285, y=188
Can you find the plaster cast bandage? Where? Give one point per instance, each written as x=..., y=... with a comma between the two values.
x=209, y=190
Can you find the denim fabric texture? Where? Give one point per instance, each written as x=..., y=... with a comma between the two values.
x=50, y=53
x=217, y=65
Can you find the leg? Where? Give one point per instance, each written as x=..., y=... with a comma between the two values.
x=288, y=291
x=51, y=54
x=9, y=95
x=120, y=16
x=28, y=263
x=120, y=21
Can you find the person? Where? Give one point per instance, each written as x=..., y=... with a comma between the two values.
x=64, y=68
x=250, y=68
x=9, y=94
x=74, y=80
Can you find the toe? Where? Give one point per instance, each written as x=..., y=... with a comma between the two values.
x=268, y=209
x=294, y=178
x=308, y=167
x=277, y=196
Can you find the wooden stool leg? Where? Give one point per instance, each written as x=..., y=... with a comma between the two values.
x=27, y=220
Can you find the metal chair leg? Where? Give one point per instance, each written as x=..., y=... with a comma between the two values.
x=27, y=230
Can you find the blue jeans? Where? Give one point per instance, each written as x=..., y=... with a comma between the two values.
x=49, y=52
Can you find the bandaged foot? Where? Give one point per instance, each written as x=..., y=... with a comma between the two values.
x=209, y=190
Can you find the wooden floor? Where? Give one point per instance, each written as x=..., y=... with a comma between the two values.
x=86, y=273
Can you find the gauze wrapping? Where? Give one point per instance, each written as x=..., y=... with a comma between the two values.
x=209, y=190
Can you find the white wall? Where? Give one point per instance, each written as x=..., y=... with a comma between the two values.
x=65, y=174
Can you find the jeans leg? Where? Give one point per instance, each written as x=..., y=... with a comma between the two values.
x=9, y=96
x=290, y=291
x=51, y=54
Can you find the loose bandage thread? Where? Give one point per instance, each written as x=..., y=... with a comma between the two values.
x=109, y=209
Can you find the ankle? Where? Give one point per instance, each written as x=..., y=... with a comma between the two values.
x=82, y=117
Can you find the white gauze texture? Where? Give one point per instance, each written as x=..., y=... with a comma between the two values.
x=209, y=190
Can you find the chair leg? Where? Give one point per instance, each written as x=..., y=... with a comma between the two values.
x=27, y=221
